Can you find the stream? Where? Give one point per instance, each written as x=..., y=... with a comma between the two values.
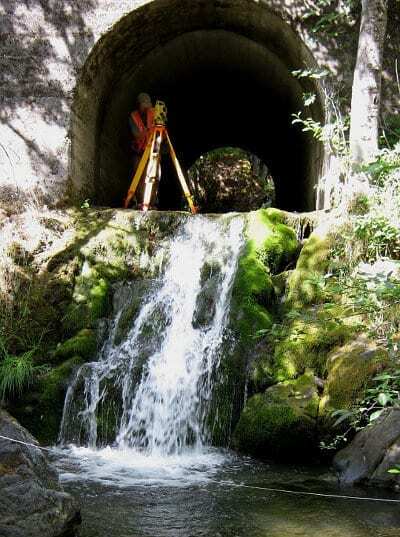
x=126, y=494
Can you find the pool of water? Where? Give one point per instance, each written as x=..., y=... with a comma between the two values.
x=211, y=494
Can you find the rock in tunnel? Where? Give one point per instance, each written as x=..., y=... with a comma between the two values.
x=224, y=68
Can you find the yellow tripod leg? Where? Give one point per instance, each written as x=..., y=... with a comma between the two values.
x=138, y=173
x=181, y=177
x=152, y=168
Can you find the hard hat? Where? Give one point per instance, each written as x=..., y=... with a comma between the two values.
x=144, y=98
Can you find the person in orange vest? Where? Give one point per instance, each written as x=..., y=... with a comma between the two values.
x=141, y=122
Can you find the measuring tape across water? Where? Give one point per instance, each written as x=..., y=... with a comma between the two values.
x=253, y=487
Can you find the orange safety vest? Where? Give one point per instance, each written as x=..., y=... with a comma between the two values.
x=139, y=143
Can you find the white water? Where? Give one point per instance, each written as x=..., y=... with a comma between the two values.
x=163, y=372
x=128, y=467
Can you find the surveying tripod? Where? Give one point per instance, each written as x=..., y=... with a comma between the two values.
x=152, y=157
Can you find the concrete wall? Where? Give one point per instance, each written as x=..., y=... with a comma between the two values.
x=44, y=49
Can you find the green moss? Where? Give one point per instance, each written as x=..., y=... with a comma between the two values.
x=41, y=410
x=274, y=430
x=300, y=394
x=307, y=343
x=312, y=263
x=84, y=344
x=350, y=368
x=252, y=293
x=270, y=245
x=280, y=281
x=280, y=246
x=91, y=301
x=51, y=399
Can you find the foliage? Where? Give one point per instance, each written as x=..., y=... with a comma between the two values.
x=390, y=133
x=380, y=170
x=332, y=133
x=309, y=125
x=359, y=205
x=310, y=73
x=383, y=393
x=16, y=372
x=329, y=17
x=379, y=237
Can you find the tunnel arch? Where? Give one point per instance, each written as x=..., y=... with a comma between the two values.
x=224, y=67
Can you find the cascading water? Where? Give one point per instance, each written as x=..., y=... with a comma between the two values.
x=158, y=381
x=154, y=393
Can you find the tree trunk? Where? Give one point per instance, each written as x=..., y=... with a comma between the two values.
x=366, y=92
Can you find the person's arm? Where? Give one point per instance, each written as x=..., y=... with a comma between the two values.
x=134, y=128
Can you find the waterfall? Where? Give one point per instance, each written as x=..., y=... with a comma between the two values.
x=156, y=383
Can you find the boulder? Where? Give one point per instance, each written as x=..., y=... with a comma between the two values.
x=300, y=394
x=281, y=422
x=84, y=344
x=373, y=451
x=33, y=503
x=350, y=368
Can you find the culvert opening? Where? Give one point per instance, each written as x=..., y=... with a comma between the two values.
x=231, y=179
x=225, y=71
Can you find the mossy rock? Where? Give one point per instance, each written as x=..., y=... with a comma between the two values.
x=270, y=246
x=41, y=410
x=227, y=397
x=277, y=244
x=51, y=400
x=280, y=282
x=108, y=413
x=84, y=344
x=350, y=368
x=300, y=394
x=91, y=300
x=252, y=294
x=206, y=300
x=312, y=263
x=134, y=297
x=274, y=430
x=307, y=344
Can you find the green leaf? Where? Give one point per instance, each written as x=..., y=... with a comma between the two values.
x=383, y=398
x=345, y=415
x=309, y=98
x=375, y=415
x=384, y=376
x=394, y=471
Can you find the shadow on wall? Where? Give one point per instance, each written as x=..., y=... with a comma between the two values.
x=43, y=44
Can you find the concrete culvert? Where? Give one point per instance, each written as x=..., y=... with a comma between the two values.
x=225, y=71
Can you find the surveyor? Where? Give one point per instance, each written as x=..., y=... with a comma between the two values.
x=141, y=122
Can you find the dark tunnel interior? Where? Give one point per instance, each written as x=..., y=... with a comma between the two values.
x=221, y=89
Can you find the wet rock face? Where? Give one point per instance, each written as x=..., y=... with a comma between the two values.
x=208, y=296
x=373, y=451
x=32, y=503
